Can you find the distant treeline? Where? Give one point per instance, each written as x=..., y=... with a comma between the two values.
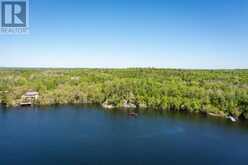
x=216, y=92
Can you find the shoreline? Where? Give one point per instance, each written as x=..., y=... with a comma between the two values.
x=127, y=109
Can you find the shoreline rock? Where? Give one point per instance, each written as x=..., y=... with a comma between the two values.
x=216, y=115
x=233, y=119
x=129, y=105
x=107, y=106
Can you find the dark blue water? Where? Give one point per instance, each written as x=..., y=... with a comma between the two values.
x=90, y=135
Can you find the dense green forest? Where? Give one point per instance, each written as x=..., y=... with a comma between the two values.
x=216, y=92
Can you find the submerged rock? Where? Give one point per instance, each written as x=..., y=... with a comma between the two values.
x=133, y=114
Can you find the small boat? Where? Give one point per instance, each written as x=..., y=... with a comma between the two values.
x=132, y=114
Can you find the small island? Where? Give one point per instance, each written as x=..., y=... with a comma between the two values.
x=222, y=93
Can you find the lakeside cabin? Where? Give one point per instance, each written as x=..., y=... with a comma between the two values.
x=29, y=98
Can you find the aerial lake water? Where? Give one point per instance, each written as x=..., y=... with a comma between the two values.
x=90, y=135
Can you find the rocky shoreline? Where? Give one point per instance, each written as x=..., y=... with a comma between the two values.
x=126, y=105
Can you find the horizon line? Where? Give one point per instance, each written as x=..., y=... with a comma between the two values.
x=168, y=68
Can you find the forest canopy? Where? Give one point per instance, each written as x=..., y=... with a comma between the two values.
x=220, y=92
